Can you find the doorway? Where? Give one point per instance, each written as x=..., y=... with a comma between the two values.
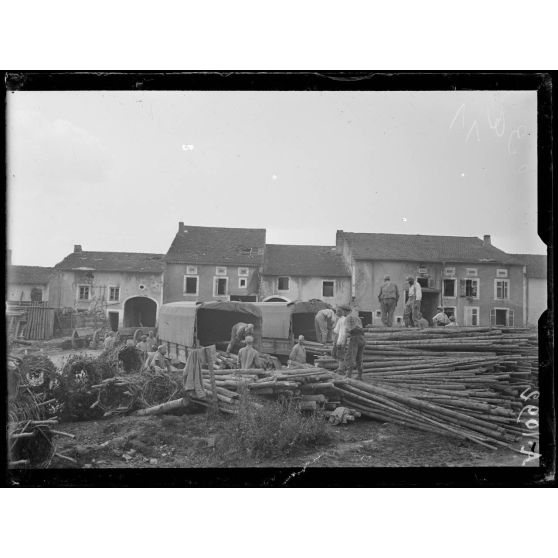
x=429, y=304
x=140, y=311
x=113, y=320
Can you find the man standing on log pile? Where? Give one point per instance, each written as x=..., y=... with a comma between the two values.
x=355, y=344
x=412, y=315
x=324, y=322
x=340, y=338
x=388, y=297
x=239, y=332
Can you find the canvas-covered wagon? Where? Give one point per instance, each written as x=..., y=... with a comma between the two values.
x=185, y=325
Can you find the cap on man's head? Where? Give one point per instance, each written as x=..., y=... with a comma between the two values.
x=410, y=278
x=387, y=278
x=249, y=339
x=301, y=337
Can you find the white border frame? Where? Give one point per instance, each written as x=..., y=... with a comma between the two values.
x=496, y=288
x=78, y=287
x=507, y=315
x=216, y=282
x=477, y=308
x=113, y=287
x=245, y=279
x=197, y=277
x=191, y=270
x=328, y=281
x=217, y=268
x=288, y=281
x=477, y=279
x=243, y=274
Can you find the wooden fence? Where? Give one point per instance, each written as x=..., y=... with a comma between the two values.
x=40, y=322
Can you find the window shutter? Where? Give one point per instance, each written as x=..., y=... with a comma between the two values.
x=492, y=316
x=510, y=318
x=462, y=284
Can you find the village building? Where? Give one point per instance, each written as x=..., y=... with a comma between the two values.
x=537, y=286
x=472, y=279
x=124, y=287
x=214, y=263
x=27, y=283
x=292, y=272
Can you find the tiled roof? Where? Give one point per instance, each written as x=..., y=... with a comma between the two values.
x=113, y=261
x=424, y=248
x=29, y=274
x=536, y=265
x=217, y=246
x=309, y=261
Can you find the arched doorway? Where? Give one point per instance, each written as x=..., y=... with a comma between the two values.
x=276, y=299
x=140, y=311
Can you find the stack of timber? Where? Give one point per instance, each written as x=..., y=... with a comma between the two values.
x=318, y=348
x=40, y=322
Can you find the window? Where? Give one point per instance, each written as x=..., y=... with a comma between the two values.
x=282, y=283
x=448, y=288
x=327, y=288
x=471, y=271
x=243, y=272
x=242, y=282
x=192, y=269
x=501, y=317
x=471, y=315
x=449, y=311
x=114, y=294
x=423, y=282
x=36, y=294
x=83, y=292
x=501, y=289
x=449, y=271
x=220, y=271
x=191, y=284
x=399, y=320
x=220, y=286
x=501, y=273
x=469, y=288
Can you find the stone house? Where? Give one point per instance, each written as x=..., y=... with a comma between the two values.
x=293, y=272
x=537, y=286
x=27, y=283
x=125, y=287
x=214, y=263
x=473, y=280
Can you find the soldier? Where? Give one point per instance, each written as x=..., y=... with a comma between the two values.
x=355, y=345
x=340, y=338
x=239, y=332
x=324, y=322
x=298, y=354
x=388, y=297
x=248, y=356
x=412, y=314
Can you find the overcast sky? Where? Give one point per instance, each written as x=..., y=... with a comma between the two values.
x=116, y=171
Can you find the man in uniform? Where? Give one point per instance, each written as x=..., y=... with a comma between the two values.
x=324, y=322
x=388, y=297
x=239, y=332
x=412, y=314
x=355, y=344
x=158, y=363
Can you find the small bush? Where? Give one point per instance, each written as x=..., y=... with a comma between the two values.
x=271, y=429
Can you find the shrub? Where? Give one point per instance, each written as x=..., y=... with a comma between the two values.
x=271, y=428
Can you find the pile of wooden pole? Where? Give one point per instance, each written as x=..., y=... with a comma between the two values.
x=40, y=322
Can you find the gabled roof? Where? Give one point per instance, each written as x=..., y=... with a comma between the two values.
x=113, y=261
x=536, y=265
x=217, y=246
x=308, y=261
x=424, y=248
x=29, y=274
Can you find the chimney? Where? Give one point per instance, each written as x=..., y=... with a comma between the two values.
x=9, y=257
x=487, y=241
x=181, y=226
x=77, y=248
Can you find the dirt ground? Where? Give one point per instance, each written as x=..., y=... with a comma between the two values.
x=190, y=440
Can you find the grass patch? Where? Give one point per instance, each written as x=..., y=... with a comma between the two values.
x=271, y=429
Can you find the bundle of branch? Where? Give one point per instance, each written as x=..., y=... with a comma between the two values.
x=119, y=394
x=76, y=393
x=158, y=389
x=39, y=371
x=31, y=443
